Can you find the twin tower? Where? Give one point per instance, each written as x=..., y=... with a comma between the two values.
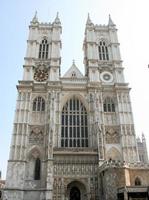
x=73, y=135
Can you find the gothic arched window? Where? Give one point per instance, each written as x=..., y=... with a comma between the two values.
x=43, y=49
x=37, y=169
x=39, y=104
x=137, y=181
x=108, y=105
x=103, y=51
x=74, y=130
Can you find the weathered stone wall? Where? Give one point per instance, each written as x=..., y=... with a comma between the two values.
x=142, y=174
x=111, y=179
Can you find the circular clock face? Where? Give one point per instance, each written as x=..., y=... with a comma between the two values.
x=41, y=75
x=106, y=77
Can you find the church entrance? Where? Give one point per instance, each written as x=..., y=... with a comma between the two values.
x=76, y=191
x=75, y=194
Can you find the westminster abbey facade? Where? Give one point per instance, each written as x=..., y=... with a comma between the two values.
x=73, y=135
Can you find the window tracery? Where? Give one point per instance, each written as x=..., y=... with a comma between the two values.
x=108, y=105
x=43, y=49
x=39, y=104
x=74, y=130
x=103, y=51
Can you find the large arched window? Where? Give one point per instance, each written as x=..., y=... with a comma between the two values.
x=39, y=104
x=74, y=130
x=43, y=49
x=37, y=169
x=103, y=51
x=108, y=105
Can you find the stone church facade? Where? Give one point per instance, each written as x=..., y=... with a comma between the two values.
x=73, y=135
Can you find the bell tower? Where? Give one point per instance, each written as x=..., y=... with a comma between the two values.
x=103, y=67
x=30, y=162
x=42, y=61
x=101, y=51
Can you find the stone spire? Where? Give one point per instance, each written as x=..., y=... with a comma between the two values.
x=57, y=20
x=143, y=137
x=110, y=23
x=73, y=62
x=89, y=22
x=35, y=19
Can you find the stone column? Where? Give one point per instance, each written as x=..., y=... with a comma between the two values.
x=125, y=195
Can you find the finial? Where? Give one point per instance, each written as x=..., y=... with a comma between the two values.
x=57, y=15
x=143, y=137
x=57, y=20
x=36, y=13
x=89, y=22
x=35, y=19
x=110, y=21
x=73, y=62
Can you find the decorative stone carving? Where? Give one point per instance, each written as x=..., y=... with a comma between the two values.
x=112, y=136
x=36, y=136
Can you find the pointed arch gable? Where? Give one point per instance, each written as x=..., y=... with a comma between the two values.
x=77, y=96
x=103, y=39
x=34, y=152
x=114, y=154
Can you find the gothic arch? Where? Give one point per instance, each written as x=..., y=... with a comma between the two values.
x=109, y=104
x=43, y=49
x=74, y=124
x=78, y=96
x=103, y=39
x=137, y=181
x=39, y=40
x=110, y=97
x=80, y=186
x=36, y=96
x=114, y=154
x=33, y=165
x=38, y=103
x=35, y=152
x=103, y=49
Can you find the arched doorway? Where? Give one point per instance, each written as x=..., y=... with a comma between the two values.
x=76, y=190
x=75, y=194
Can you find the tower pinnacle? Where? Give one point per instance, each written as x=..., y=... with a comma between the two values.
x=73, y=62
x=35, y=18
x=57, y=20
x=89, y=22
x=110, y=23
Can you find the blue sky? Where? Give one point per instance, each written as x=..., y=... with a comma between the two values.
x=131, y=18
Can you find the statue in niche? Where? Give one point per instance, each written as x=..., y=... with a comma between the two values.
x=91, y=98
x=97, y=102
